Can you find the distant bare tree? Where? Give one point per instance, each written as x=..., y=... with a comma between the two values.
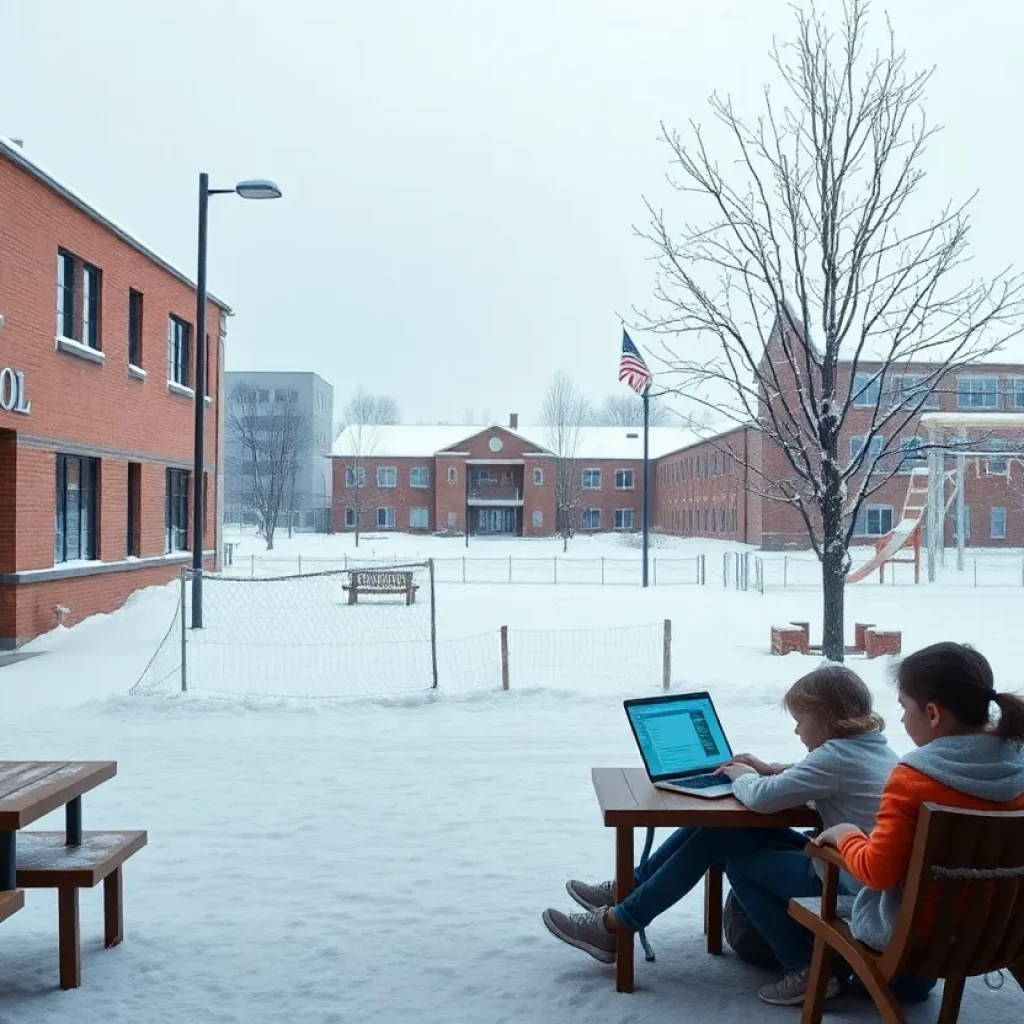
x=627, y=410
x=818, y=280
x=273, y=436
x=371, y=410
x=564, y=412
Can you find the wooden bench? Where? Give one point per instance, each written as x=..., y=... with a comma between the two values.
x=380, y=581
x=46, y=862
x=10, y=903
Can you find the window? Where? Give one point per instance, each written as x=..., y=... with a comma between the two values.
x=978, y=393
x=65, y=294
x=910, y=391
x=480, y=478
x=75, y=519
x=263, y=397
x=355, y=476
x=419, y=518
x=134, y=327
x=714, y=520
x=176, y=511
x=623, y=519
x=867, y=390
x=997, y=523
x=912, y=454
x=134, y=508
x=623, y=479
x=350, y=518
x=280, y=395
x=997, y=467
x=419, y=476
x=591, y=479
x=453, y=475
x=591, y=519
x=90, y=307
x=874, y=521
x=453, y=520
x=875, y=448
x=178, y=339
x=385, y=518
x=1018, y=393
x=727, y=462
x=538, y=478
x=538, y=519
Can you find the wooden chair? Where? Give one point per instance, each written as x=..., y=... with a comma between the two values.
x=968, y=868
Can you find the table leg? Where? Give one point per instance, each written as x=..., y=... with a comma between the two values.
x=623, y=887
x=713, y=909
x=8, y=861
x=73, y=822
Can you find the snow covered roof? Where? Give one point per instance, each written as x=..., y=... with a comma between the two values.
x=425, y=440
x=972, y=419
x=16, y=155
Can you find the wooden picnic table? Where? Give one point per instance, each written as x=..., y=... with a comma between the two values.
x=31, y=789
x=628, y=800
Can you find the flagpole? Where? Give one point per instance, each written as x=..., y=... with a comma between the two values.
x=643, y=514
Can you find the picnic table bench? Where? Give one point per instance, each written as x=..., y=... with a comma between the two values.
x=66, y=861
x=380, y=581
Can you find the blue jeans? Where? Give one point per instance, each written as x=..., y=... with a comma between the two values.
x=679, y=864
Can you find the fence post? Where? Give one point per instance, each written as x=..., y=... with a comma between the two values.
x=975, y=572
x=725, y=569
x=463, y=568
x=785, y=570
x=602, y=570
x=252, y=565
x=556, y=569
x=184, y=633
x=655, y=571
x=300, y=565
x=344, y=557
x=504, y=657
x=433, y=624
x=666, y=657
x=703, y=570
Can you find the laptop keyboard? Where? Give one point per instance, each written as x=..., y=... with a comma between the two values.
x=702, y=781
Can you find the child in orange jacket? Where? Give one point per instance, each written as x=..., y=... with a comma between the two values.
x=961, y=760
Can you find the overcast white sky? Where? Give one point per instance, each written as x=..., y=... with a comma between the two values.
x=461, y=177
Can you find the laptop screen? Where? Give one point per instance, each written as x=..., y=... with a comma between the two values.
x=678, y=735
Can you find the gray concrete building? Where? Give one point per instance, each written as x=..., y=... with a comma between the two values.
x=311, y=508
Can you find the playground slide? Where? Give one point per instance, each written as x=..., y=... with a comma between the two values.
x=898, y=539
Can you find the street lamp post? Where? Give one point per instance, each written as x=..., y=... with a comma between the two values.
x=254, y=189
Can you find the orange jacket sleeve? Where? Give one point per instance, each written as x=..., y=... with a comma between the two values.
x=880, y=860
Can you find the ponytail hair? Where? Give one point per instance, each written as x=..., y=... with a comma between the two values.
x=836, y=698
x=959, y=678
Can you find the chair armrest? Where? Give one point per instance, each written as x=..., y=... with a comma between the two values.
x=834, y=863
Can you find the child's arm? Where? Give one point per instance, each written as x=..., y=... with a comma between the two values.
x=816, y=777
x=880, y=860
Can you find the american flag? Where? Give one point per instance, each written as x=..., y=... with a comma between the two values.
x=632, y=368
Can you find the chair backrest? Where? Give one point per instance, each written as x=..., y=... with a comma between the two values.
x=963, y=901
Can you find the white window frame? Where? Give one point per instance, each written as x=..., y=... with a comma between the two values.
x=987, y=390
x=900, y=395
x=866, y=384
x=998, y=444
x=425, y=517
x=875, y=448
x=381, y=478
x=620, y=517
x=589, y=473
x=589, y=513
x=538, y=519
x=1017, y=392
x=350, y=518
x=412, y=480
x=353, y=473
x=386, y=525
x=864, y=519
x=1001, y=535
x=909, y=465
x=453, y=474
x=632, y=479
x=538, y=476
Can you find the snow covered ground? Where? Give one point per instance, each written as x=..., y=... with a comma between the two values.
x=387, y=858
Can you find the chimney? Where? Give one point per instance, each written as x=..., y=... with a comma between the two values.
x=20, y=143
x=513, y=421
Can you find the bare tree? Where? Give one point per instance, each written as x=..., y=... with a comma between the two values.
x=363, y=416
x=815, y=234
x=564, y=412
x=272, y=436
x=627, y=410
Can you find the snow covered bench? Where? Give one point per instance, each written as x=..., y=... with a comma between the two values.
x=45, y=861
x=380, y=581
x=10, y=903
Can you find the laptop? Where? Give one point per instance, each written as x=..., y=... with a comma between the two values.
x=682, y=742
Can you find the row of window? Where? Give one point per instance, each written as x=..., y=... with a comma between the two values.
x=910, y=390
x=419, y=518
x=696, y=467
x=590, y=519
x=387, y=476
x=76, y=519
x=913, y=452
x=714, y=520
x=79, y=287
x=878, y=520
x=419, y=476
x=280, y=395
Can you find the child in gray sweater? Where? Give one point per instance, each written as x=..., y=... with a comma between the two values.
x=843, y=776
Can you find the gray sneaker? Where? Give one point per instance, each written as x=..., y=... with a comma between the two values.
x=585, y=931
x=592, y=897
x=792, y=990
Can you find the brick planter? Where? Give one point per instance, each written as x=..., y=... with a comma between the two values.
x=879, y=643
x=792, y=639
x=868, y=641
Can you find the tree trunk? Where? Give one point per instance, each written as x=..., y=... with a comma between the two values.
x=833, y=589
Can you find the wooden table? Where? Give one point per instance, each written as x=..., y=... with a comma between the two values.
x=30, y=789
x=628, y=801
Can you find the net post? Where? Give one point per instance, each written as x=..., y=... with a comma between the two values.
x=433, y=624
x=602, y=570
x=510, y=568
x=666, y=657
x=785, y=571
x=184, y=632
x=463, y=568
x=655, y=562
x=300, y=565
x=504, y=657
x=556, y=570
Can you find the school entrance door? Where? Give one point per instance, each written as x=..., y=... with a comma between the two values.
x=496, y=520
